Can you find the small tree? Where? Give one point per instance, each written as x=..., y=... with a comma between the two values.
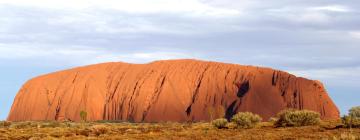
x=353, y=118
x=211, y=113
x=246, y=119
x=83, y=116
x=292, y=117
x=355, y=112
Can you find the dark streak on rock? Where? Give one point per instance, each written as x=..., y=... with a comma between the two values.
x=230, y=111
x=243, y=89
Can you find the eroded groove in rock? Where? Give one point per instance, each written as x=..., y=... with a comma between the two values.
x=230, y=111
x=243, y=89
x=172, y=90
x=196, y=91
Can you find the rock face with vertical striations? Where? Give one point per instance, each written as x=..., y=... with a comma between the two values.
x=171, y=90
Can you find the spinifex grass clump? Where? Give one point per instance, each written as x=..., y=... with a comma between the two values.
x=220, y=123
x=246, y=119
x=353, y=118
x=292, y=117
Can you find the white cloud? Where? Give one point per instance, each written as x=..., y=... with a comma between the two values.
x=312, y=17
x=81, y=55
x=24, y=51
x=141, y=23
x=190, y=7
x=329, y=73
x=355, y=34
x=60, y=18
x=305, y=14
x=331, y=8
x=340, y=77
x=142, y=57
x=299, y=14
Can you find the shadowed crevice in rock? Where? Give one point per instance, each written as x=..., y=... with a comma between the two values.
x=57, y=111
x=188, y=110
x=274, y=78
x=283, y=93
x=196, y=92
x=155, y=97
x=243, y=89
x=231, y=110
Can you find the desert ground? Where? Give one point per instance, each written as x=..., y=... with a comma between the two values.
x=326, y=130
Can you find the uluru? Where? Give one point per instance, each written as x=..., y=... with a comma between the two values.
x=169, y=90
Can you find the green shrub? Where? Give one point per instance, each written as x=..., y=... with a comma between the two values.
x=246, y=119
x=231, y=125
x=353, y=118
x=219, y=123
x=83, y=116
x=291, y=117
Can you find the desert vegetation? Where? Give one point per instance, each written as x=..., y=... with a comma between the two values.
x=220, y=123
x=170, y=130
x=353, y=118
x=291, y=117
x=288, y=124
x=245, y=119
x=83, y=116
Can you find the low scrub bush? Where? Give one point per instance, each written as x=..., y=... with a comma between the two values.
x=23, y=125
x=220, y=123
x=231, y=125
x=291, y=117
x=351, y=122
x=246, y=119
x=353, y=118
x=50, y=124
x=5, y=124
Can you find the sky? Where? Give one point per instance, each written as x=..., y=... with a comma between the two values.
x=313, y=39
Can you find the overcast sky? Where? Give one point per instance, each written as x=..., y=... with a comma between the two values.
x=314, y=39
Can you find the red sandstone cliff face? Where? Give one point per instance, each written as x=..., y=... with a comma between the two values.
x=174, y=90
